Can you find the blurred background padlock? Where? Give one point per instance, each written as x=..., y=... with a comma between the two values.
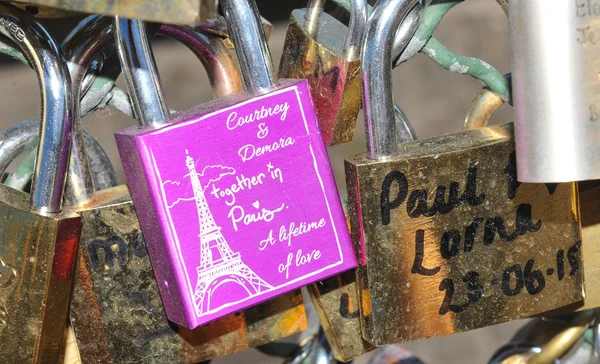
x=428, y=94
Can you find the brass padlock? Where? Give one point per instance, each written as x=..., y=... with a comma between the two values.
x=173, y=11
x=324, y=51
x=39, y=242
x=446, y=233
x=116, y=301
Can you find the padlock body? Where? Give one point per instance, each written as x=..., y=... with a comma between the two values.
x=116, y=301
x=447, y=236
x=555, y=53
x=335, y=83
x=237, y=202
x=336, y=302
x=172, y=12
x=37, y=260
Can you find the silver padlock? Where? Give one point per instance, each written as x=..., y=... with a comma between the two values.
x=556, y=89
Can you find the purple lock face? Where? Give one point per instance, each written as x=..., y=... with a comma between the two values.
x=237, y=205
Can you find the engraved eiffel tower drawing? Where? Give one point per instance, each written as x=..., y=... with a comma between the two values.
x=218, y=263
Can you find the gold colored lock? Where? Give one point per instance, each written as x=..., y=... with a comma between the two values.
x=324, y=51
x=449, y=240
x=188, y=12
x=38, y=241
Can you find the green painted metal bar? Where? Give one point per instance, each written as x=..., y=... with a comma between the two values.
x=441, y=55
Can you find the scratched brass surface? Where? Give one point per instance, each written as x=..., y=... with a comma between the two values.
x=163, y=11
x=496, y=277
x=334, y=82
x=37, y=258
x=117, y=312
x=336, y=302
x=590, y=223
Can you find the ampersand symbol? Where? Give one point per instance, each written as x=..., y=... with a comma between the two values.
x=263, y=131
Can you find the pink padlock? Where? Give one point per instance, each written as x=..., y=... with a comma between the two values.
x=236, y=197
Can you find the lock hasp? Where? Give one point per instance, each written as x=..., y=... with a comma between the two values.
x=237, y=202
x=450, y=241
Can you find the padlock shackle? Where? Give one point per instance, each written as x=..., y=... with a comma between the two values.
x=405, y=33
x=140, y=73
x=248, y=36
x=23, y=138
x=356, y=27
x=314, y=9
x=80, y=186
x=376, y=60
x=17, y=140
x=483, y=106
x=95, y=35
x=214, y=53
x=72, y=44
x=43, y=53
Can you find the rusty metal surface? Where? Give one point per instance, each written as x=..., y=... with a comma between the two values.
x=117, y=308
x=171, y=11
x=37, y=258
x=334, y=82
x=452, y=242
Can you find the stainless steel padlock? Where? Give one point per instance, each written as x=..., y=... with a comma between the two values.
x=556, y=90
x=39, y=242
x=109, y=309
